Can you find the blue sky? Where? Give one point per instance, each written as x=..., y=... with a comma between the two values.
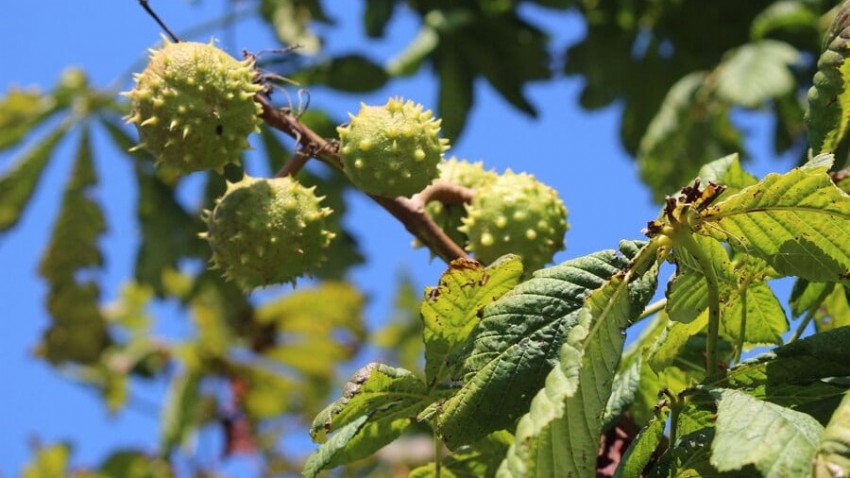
x=575, y=152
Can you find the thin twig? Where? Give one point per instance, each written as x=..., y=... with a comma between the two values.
x=446, y=193
x=144, y=4
x=291, y=167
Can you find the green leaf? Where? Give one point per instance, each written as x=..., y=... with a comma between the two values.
x=479, y=460
x=640, y=451
x=269, y=395
x=690, y=456
x=691, y=128
x=291, y=22
x=728, y=172
x=749, y=306
x=756, y=72
x=677, y=343
x=378, y=13
x=349, y=73
x=807, y=295
x=784, y=15
x=763, y=317
x=517, y=343
x=641, y=405
x=80, y=223
x=508, y=52
x=18, y=184
x=330, y=312
x=796, y=222
x=49, y=462
x=168, y=232
x=379, y=402
x=135, y=464
x=181, y=413
x=456, y=94
x=829, y=98
x=625, y=387
x=834, y=311
x=20, y=112
x=687, y=293
x=327, y=455
x=450, y=311
x=559, y=436
x=778, y=441
x=78, y=331
x=797, y=375
x=833, y=454
x=410, y=60
x=400, y=340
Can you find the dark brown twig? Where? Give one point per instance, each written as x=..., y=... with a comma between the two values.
x=410, y=212
x=144, y=4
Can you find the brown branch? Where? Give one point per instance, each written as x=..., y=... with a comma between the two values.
x=291, y=167
x=446, y=193
x=410, y=212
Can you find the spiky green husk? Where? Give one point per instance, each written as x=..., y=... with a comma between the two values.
x=391, y=150
x=461, y=173
x=194, y=106
x=516, y=214
x=267, y=231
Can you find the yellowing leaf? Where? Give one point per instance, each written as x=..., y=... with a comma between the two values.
x=451, y=310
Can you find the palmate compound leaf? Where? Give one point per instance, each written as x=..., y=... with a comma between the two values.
x=833, y=454
x=450, y=311
x=377, y=405
x=797, y=222
x=559, y=436
x=517, y=343
x=780, y=442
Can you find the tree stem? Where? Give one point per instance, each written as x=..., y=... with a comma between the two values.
x=438, y=456
x=739, y=347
